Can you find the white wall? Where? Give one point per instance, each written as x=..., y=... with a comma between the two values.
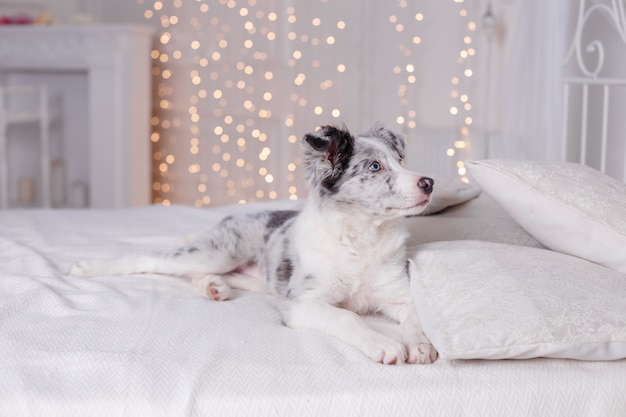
x=442, y=40
x=435, y=60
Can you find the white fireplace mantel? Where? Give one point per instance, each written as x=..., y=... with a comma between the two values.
x=116, y=60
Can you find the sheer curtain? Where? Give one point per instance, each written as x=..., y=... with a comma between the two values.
x=532, y=93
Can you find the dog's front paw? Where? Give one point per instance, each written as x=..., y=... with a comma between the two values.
x=386, y=351
x=422, y=352
x=214, y=287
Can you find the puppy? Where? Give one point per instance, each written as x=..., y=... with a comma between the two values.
x=342, y=256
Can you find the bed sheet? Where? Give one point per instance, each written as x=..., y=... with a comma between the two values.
x=152, y=346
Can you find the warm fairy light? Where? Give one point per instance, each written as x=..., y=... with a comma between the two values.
x=224, y=72
x=462, y=106
x=403, y=22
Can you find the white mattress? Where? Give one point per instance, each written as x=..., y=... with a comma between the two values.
x=152, y=346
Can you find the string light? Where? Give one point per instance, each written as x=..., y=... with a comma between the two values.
x=461, y=104
x=226, y=70
x=404, y=22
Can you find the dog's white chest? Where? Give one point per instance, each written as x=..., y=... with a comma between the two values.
x=351, y=262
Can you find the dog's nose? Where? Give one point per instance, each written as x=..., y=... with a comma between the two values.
x=426, y=184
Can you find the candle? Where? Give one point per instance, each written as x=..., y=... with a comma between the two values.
x=26, y=191
x=57, y=183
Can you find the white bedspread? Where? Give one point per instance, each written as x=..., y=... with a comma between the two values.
x=152, y=346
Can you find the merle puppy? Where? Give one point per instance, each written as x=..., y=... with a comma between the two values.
x=341, y=256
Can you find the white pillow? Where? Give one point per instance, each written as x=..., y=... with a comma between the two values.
x=485, y=300
x=567, y=207
x=449, y=192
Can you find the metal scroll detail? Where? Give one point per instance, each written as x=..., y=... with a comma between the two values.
x=614, y=12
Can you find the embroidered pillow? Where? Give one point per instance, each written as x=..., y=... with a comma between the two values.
x=568, y=207
x=485, y=300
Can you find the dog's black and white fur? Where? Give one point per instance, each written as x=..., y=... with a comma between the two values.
x=343, y=255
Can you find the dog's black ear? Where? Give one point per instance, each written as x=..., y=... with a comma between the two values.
x=319, y=143
x=327, y=153
x=331, y=141
x=395, y=141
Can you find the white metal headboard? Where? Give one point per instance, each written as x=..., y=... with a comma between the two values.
x=594, y=122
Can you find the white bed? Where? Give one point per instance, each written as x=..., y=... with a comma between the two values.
x=513, y=295
x=151, y=345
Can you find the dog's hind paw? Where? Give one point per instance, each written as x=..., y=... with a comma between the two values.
x=422, y=353
x=214, y=287
x=386, y=351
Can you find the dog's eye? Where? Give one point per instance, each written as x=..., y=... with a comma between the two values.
x=375, y=166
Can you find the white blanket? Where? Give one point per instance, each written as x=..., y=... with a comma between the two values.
x=152, y=346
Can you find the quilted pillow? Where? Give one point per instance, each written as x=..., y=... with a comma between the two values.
x=568, y=207
x=484, y=300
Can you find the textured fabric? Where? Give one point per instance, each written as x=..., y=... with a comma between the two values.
x=152, y=346
x=568, y=207
x=479, y=219
x=482, y=300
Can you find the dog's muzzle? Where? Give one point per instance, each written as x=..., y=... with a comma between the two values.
x=426, y=184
